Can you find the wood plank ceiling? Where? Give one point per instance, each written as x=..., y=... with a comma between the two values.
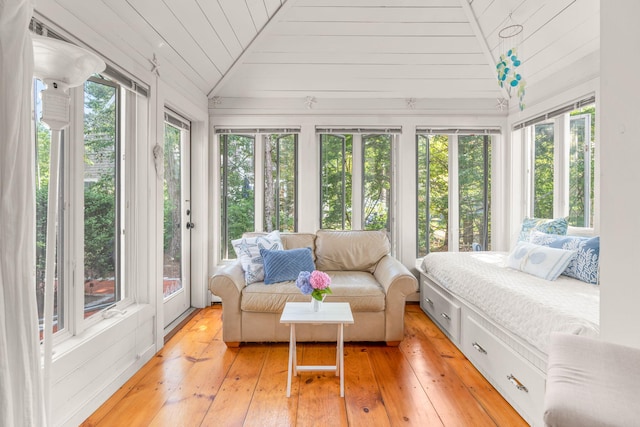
x=342, y=48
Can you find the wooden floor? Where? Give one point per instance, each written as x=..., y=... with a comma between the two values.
x=197, y=381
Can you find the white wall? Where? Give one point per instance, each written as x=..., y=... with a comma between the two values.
x=88, y=368
x=620, y=174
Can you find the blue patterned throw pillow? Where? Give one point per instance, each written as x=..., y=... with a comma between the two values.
x=541, y=261
x=248, y=252
x=549, y=226
x=585, y=266
x=280, y=266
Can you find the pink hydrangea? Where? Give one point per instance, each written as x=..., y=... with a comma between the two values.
x=319, y=280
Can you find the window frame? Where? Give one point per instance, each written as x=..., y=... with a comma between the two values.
x=453, y=135
x=71, y=224
x=358, y=176
x=259, y=135
x=561, y=163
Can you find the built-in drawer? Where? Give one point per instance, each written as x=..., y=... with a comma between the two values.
x=516, y=379
x=440, y=308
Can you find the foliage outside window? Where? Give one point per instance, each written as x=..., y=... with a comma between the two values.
x=377, y=181
x=100, y=221
x=567, y=183
x=543, y=182
x=102, y=191
x=336, y=157
x=280, y=182
x=474, y=181
x=471, y=192
x=237, y=198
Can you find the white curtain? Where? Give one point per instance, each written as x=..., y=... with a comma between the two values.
x=21, y=391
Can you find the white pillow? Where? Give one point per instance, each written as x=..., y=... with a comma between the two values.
x=541, y=261
x=248, y=252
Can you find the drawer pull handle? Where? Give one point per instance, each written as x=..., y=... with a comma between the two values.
x=479, y=348
x=445, y=315
x=428, y=301
x=517, y=383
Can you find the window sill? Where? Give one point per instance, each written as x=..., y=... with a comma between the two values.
x=129, y=318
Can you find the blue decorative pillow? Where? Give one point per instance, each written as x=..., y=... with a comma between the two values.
x=280, y=266
x=542, y=261
x=549, y=226
x=248, y=252
x=585, y=266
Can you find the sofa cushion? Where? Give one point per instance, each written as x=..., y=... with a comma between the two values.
x=280, y=266
x=350, y=250
x=359, y=289
x=248, y=252
x=291, y=240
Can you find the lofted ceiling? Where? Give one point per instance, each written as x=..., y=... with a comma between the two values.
x=341, y=48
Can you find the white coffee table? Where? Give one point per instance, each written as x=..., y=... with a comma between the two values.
x=338, y=313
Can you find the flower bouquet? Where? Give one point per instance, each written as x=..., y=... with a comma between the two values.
x=315, y=284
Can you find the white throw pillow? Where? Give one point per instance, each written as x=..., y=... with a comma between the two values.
x=541, y=261
x=248, y=252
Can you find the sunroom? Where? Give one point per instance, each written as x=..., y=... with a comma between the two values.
x=443, y=122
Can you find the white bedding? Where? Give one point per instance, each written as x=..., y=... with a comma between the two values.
x=525, y=305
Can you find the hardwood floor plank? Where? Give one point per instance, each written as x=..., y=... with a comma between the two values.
x=196, y=380
x=270, y=405
x=362, y=396
x=164, y=375
x=404, y=398
x=453, y=401
x=189, y=403
x=232, y=402
x=319, y=401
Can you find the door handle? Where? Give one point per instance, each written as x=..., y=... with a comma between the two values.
x=190, y=225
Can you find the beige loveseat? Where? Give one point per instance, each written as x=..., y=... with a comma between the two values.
x=362, y=273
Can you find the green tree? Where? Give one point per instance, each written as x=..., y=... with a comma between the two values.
x=376, y=181
x=336, y=182
x=543, y=171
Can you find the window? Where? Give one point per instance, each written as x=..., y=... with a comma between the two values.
x=241, y=154
x=454, y=192
x=103, y=192
x=281, y=152
x=90, y=271
x=336, y=158
x=377, y=160
x=356, y=180
x=238, y=189
x=561, y=164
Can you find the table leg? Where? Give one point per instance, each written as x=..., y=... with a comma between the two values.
x=292, y=349
x=341, y=350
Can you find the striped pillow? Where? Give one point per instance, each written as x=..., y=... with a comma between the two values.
x=280, y=266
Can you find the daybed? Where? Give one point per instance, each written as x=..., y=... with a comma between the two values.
x=362, y=273
x=502, y=319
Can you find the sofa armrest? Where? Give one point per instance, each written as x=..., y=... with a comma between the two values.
x=227, y=283
x=398, y=282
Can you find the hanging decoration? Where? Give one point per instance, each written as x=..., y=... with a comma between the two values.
x=509, y=63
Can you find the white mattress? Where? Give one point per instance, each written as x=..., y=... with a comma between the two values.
x=527, y=306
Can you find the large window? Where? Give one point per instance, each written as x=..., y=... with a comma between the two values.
x=237, y=198
x=454, y=192
x=376, y=200
x=103, y=193
x=356, y=181
x=280, y=170
x=90, y=241
x=242, y=209
x=561, y=164
x=336, y=158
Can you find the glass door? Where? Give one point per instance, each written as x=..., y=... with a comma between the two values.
x=176, y=284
